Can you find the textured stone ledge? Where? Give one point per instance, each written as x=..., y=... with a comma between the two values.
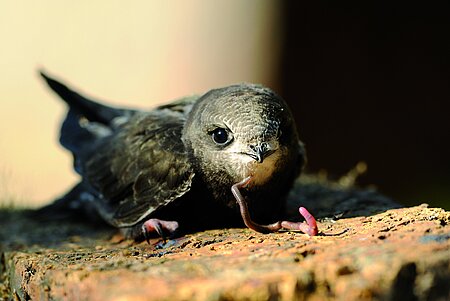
x=398, y=254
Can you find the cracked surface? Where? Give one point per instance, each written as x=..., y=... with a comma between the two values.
x=397, y=254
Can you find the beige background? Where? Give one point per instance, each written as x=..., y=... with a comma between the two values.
x=139, y=54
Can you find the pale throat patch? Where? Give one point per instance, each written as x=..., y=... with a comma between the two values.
x=262, y=172
x=242, y=165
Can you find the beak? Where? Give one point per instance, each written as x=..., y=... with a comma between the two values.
x=261, y=151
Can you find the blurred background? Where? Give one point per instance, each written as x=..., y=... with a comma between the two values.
x=367, y=82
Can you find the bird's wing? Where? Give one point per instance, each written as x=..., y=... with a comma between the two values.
x=87, y=120
x=90, y=109
x=182, y=105
x=140, y=168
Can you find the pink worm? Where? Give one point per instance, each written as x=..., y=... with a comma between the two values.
x=310, y=227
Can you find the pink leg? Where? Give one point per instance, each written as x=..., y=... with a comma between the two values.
x=161, y=227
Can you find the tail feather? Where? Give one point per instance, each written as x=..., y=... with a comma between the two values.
x=76, y=205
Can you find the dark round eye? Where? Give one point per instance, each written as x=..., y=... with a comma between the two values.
x=220, y=136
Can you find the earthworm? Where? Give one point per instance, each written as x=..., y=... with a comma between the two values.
x=310, y=227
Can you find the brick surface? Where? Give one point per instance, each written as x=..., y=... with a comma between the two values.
x=399, y=254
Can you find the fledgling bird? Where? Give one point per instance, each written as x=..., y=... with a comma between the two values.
x=209, y=161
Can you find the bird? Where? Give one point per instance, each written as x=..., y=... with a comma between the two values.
x=227, y=158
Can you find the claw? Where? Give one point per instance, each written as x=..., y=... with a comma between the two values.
x=161, y=227
x=145, y=234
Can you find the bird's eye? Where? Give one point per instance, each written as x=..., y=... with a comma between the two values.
x=220, y=136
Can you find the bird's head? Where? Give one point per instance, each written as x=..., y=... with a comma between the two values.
x=240, y=131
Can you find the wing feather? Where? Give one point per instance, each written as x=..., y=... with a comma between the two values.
x=140, y=168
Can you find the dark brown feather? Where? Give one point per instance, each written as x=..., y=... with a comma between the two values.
x=140, y=168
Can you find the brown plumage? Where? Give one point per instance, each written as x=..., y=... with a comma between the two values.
x=171, y=169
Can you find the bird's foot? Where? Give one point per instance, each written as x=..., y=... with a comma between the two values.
x=161, y=227
x=310, y=227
